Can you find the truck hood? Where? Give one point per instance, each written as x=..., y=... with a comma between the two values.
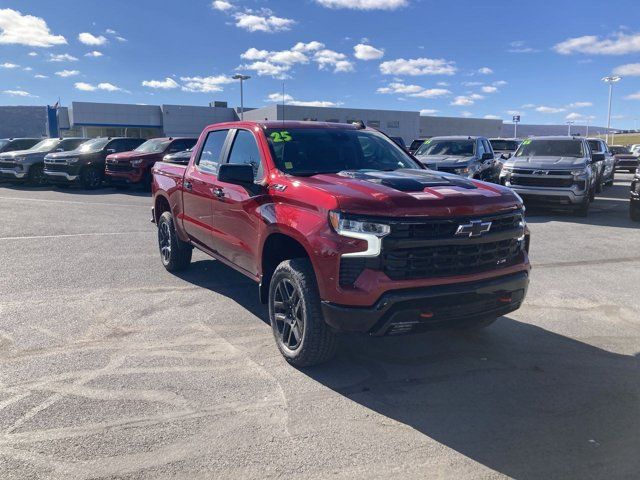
x=442, y=159
x=410, y=192
x=21, y=153
x=133, y=155
x=69, y=154
x=546, y=162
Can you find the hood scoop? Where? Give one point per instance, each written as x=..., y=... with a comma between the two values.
x=409, y=180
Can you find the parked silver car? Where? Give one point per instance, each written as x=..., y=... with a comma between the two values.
x=554, y=171
x=28, y=165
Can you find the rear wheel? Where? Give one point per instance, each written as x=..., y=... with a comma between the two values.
x=301, y=334
x=91, y=178
x=611, y=178
x=174, y=253
x=599, y=185
x=37, y=176
x=583, y=209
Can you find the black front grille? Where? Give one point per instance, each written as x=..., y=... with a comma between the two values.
x=8, y=165
x=449, y=260
x=54, y=167
x=119, y=167
x=627, y=162
x=542, y=181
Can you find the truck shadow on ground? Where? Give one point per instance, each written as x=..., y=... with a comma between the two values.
x=134, y=191
x=521, y=400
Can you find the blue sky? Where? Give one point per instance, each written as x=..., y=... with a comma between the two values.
x=456, y=58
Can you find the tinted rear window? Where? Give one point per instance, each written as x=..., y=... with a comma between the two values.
x=507, y=145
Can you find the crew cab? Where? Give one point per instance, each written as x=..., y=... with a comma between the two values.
x=634, y=207
x=134, y=167
x=13, y=144
x=555, y=172
x=343, y=231
x=607, y=177
x=85, y=166
x=28, y=165
x=470, y=157
x=625, y=160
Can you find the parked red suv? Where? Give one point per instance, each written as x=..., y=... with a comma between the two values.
x=343, y=231
x=132, y=167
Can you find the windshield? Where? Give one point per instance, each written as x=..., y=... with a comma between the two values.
x=619, y=150
x=3, y=143
x=45, y=145
x=505, y=145
x=156, y=145
x=311, y=151
x=94, y=145
x=550, y=148
x=456, y=148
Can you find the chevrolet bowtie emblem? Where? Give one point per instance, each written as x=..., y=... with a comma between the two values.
x=473, y=229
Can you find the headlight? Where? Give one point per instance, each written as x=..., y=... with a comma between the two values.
x=362, y=230
x=71, y=160
x=461, y=171
x=19, y=159
x=136, y=163
x=579, y=173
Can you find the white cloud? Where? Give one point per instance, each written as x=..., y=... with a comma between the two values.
x=578, y=117
x=442, y=84
x=19, y=29
x=499, y=83
x=545, y=109
x=418, y=66
x=466, y=100
x=629, y=70
x=111, y=31
x=67, y=73
x=308, y=47
x=17, y=93
x=580, y=105
x=367, y=52
x=491, y=117
x=27, y=69
x=8, y=65
x=222, y=5
x=472, y=84
x=528, y=105
x=205, y=84
x=263, y=22
x=485, y=71
x=331, y=59
x=166, y=84
x=33, y=54
x=413, y=90
x=466, y=114
x=618, y=44
x=289, y=100
x=94, y=54
x=90, y=39
x=521, y=47
x=364, y=4
x=633, y=96
x=489, y=89
x=121, y=39
x=63, y=57
x=40, y=76
x=513, y=112
x=425, y=112
x=106, y=86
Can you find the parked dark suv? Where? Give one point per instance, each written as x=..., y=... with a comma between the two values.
x=634, y=208
x=85, y=166
x=13, y=144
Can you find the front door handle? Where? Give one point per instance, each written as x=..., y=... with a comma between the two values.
x=218, y=192
x=187, y=185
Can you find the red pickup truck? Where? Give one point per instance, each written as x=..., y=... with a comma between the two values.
x=343, y=231
x=134, y=167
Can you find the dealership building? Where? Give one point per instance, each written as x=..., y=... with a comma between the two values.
x=87, y=119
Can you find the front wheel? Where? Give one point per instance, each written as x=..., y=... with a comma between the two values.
x=37, y=176
x=301, y=334
x=174, y=253
x=91, y=178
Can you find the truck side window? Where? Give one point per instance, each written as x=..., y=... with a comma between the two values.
x=209, y=158
x=245, y=150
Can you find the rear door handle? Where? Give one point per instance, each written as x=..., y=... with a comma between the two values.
x=187, y=185
x=218, y=192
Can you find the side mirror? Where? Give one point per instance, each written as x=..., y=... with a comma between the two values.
x=236, y=173
x=487, y=156
x=111, y=150
x=173, y=150
x=597, y=157
x=59, y=149
x=506, y=156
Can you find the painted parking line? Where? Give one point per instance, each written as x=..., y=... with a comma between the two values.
x=67, y=235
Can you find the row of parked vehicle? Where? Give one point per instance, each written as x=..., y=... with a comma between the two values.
x=86, y=162
x=551, y=171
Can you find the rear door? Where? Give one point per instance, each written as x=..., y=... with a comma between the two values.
x=236, y=226
x=199, y=182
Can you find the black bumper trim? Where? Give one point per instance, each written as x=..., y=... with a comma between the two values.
x=427, y=308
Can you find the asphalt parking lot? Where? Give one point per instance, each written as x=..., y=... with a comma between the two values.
x=113, y=368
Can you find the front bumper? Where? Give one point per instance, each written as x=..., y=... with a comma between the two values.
x=13, y=174
x=122, y=173
x=550, y=196
x=428, y=308
x=61, y=177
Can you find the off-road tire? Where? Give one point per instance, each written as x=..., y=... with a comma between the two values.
x=318, y=342
x=178, y=256
x=91, y=178
x=37, y=176
x=583, y=209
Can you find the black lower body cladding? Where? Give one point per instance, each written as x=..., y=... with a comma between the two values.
x=431, y=308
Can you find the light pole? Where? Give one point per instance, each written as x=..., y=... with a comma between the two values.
x=611, y=79
x=570, y=123
x=242, y=78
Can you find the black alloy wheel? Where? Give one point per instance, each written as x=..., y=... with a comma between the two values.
x=288, y=315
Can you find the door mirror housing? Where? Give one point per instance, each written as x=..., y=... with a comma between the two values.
x=506, y=156
x=597, y=157
x=487, y=156
x=111, y=150
x=236, y=173
x=59, y=149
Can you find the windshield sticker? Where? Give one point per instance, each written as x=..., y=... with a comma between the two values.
x=427, y=142
x=279, y=137
x=288, y=165
x=527, y=141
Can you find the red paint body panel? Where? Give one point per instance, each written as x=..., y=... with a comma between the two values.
x=299, y=208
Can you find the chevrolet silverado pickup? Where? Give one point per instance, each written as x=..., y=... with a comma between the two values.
x=625, y=160
x=343, y=231
x=134, y=167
